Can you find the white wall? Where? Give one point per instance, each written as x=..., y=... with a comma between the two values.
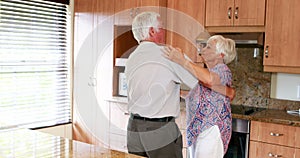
x=285, y=86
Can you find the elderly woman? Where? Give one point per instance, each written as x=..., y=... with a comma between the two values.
x=208, y=112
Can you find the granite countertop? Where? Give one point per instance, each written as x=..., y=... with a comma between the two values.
x=272, y=116
x=19, y=142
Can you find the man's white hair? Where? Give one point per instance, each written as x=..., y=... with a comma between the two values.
x=142, y=23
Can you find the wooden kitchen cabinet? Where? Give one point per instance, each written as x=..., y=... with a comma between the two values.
x=281, y=52
x=237, y=13
x=269, y=140
x=185, y=23
x=126, y=10
x=264, y=150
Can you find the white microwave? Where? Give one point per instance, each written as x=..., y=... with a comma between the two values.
x=122, y=84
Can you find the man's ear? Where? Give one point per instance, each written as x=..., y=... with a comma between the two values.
x=222, y=55
x=151, y=31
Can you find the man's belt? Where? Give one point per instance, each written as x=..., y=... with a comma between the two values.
x=163, y=119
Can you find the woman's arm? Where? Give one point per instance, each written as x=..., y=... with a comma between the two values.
x=207, y=78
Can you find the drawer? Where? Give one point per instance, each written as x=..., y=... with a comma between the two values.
x=273, y=133
x=118, y=142
x=118, y=119
x=264, y=150
x=297, y=138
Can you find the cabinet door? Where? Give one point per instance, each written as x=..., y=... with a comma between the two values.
x=118, y=118
x=282, y=35
x=235, y=13
x=297, y=153
x=184, y=24
x=249, y=13
x=118, y=126
x=83, y=42
x=273, y=133
x=125, y=11
x=219, y=13
x=158, y=6
x=264, y=150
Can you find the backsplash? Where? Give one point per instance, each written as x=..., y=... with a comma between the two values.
x=252, y=85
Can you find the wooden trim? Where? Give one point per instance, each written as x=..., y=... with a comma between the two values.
x=235, y=29
x=283, y=69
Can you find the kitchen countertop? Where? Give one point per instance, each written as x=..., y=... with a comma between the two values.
x=272, y=116
x=19, y=142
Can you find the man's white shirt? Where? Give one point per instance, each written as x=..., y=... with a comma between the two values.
x=154, y=82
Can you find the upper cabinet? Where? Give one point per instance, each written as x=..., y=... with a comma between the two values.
x=126, y=10
x=282, y=36
x=184, y=24
x=237, y=13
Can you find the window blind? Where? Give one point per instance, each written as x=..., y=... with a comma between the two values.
x=34, y=63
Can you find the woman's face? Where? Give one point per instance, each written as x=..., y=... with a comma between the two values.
x=209, y=52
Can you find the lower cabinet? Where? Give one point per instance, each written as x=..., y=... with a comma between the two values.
x=265, y=150
x=273, y=140
x=118, y=126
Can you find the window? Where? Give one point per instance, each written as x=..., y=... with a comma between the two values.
x=34, y=63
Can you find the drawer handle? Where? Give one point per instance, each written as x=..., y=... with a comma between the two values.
x=126, y=113
x=274, y=155
x=275, y=134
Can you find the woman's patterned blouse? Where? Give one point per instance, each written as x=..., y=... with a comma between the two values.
x=206, y=108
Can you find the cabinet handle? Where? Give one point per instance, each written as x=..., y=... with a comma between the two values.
x=92, y=82
x=274, y=155
x=229, y=13
x=131, y=12
x=276, y=134
x=236, y=13
x=126, y=113
x=267, y=52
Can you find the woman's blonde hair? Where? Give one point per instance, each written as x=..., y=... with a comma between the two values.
x=225, y=46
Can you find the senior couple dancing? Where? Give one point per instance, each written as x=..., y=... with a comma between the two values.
x=154, y=73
